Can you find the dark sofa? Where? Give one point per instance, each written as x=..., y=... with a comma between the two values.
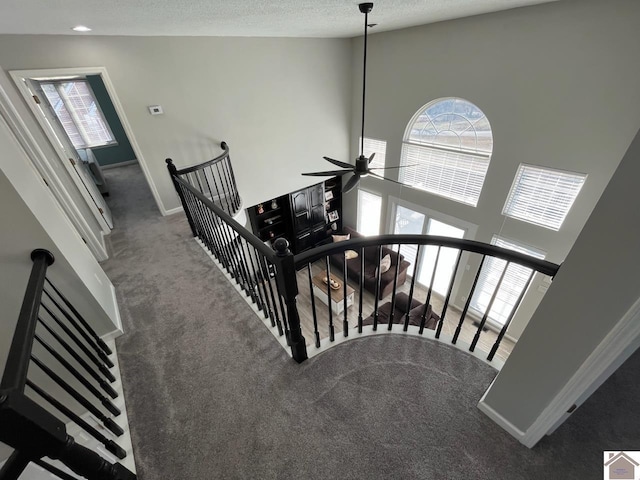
x=370, y=266
x=402, y=306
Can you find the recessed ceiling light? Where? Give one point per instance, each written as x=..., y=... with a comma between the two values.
x=81, y=28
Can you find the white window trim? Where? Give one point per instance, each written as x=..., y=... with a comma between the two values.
x=550, y=169
x=407, y=141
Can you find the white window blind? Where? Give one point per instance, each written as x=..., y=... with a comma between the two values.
x=447, y=150
x=542, y=196
x=514, y=282
x=379, y=147
x=77, y=109
x=369, y=208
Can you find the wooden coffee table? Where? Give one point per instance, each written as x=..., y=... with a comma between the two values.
x=320, y=289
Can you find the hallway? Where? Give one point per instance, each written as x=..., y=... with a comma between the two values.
x=211, y=394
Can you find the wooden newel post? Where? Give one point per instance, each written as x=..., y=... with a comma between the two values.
x=173, y=173
x=288, y=284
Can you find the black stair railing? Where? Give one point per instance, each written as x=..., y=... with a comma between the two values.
x=266, y=276
x=214, y=179
x=330, y=262
x=273, y=280
x=57, y=364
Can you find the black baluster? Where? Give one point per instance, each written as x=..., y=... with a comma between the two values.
x=428, y=300
x=106, y=421
x=313, y=307
x=226, y=197
x=110, y=445
x=95, y=375
x=345, y=321
x=361, y=290
x=267, y=266
x=486, y=313
x=51, y=469
x=283, y=312
x=407, y=317
x=101, y=366
x=395, y=286
x=494, y=349
x=377, y=289
x=81, y=319
x=446, y=300
x=223, y=167
x=106, y=403
x=95, y=347
x=332, y=335
x=261, y=299
x=468, y=302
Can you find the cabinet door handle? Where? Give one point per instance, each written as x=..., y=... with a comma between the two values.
x=304, y=236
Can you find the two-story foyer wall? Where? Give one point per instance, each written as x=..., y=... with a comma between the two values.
x=278, y=102
x=558, y=82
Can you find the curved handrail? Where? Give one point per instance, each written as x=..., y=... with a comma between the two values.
x=200, y=166
x=214, y=177
x=542, y=266
x=247, y=235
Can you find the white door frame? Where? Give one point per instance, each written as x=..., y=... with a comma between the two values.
x=50, y=178
x=18, y=75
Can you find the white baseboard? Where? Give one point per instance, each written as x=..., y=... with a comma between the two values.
x=173, y=211
x=500, y=420
x=119, y=164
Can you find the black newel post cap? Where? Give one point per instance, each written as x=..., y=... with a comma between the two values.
x=281, y=246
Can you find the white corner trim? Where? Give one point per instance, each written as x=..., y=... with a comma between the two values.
x=173, y=210
x=500, y=420
x=118, y=319
x=616, y=347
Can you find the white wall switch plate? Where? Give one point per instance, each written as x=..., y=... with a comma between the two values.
x=155, y=110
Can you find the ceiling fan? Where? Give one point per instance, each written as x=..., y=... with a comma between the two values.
x=361, y=168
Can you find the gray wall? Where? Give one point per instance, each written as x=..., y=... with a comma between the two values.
x=558, y=82
x=279, y=103
x=597, y=284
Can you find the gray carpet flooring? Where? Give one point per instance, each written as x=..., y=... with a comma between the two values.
x=211, y=394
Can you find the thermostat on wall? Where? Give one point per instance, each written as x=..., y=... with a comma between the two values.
x=155, y=110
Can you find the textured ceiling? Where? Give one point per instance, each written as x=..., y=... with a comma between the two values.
x=282, y=18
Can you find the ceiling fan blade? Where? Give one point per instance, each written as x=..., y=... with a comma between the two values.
x=371, y=157
x=339, y=163
x=392, y=168
x=387, y=179
x=351, y=184
x=329, y=173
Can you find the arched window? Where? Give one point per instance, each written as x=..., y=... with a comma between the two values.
x=447, y=148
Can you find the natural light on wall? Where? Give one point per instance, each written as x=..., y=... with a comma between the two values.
x=79, y=113
x=369, y=210
x=447, y=149
x=543, y=196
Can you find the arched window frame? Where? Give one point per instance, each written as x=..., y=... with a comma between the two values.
x=454, y=172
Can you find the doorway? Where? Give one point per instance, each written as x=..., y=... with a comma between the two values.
x=414, y=219
x=83, y=120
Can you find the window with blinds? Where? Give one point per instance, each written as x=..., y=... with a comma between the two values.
x=542, y=196
x=447, y=149
x=379, y=147
x=514, y=282
x=77, y=109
